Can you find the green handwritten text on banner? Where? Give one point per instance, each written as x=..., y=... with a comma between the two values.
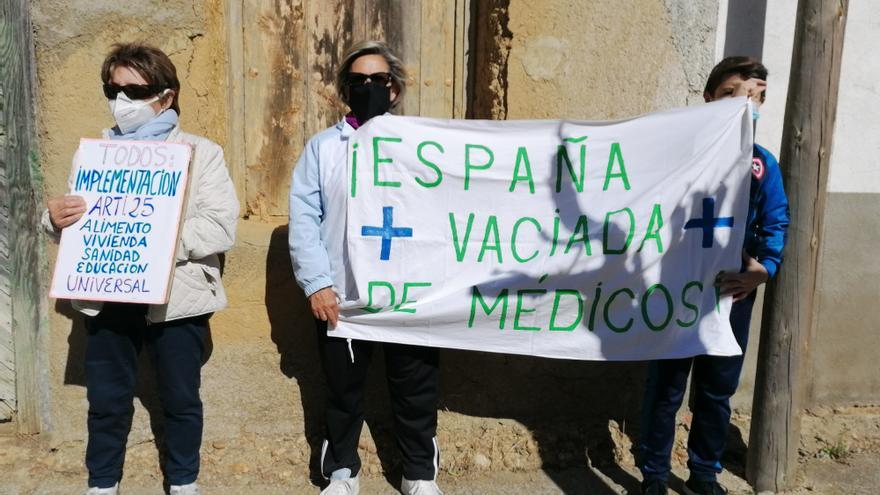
x=549, y=238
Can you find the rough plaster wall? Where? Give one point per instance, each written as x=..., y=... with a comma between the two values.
x=843, y=365
x=607, y=59
x=72, y=37
x=844, y=359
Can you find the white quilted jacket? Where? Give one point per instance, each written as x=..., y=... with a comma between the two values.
x=208, y=229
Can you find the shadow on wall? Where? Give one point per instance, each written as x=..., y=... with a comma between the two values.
x=293, y=333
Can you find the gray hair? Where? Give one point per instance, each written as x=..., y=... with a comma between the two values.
x=372, y=47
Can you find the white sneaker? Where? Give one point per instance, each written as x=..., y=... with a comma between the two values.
x=419, y=487
x=113, y=490
x=190, y=489
x=350, y=486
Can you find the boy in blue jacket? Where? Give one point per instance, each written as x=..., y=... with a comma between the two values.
x=715, y=378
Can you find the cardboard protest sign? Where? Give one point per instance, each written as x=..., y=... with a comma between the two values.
x=123, y=248
x=581, y=240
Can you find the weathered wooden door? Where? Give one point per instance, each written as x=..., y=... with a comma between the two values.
x=7, y=352
x=283, y=56
x=22, y=360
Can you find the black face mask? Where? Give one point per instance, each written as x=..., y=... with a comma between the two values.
x=369, y=100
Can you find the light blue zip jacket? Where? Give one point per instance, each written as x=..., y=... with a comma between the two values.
x=317, y=211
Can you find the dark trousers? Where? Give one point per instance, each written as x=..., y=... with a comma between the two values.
x=115, y=338
x=715, y=379
x=413, y=376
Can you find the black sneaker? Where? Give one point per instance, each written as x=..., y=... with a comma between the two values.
x=695, y=487
x=654, y=487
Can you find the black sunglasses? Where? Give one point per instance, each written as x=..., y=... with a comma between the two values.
x=133, y=91
x=358, y=79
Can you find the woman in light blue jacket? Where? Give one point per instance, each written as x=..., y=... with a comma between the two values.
x=370, y=81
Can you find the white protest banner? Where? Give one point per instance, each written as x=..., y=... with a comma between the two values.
x=581, y=240
x=122, y=249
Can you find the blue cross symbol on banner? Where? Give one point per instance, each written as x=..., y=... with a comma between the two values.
x=386, y=232
x=708, y=223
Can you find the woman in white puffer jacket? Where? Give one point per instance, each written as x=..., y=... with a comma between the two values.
x=141, y=85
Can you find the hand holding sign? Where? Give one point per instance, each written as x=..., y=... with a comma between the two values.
x=65, y=211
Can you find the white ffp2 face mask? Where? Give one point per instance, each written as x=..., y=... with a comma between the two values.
x=131, y=114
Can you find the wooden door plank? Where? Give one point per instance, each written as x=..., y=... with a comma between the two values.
x=274, y=101
x=26, y=300
x=437, y=58
x=401, y=28
x=461, y=40
x=235, y=151
x=332, y=26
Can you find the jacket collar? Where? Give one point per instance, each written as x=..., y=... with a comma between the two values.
x=345, y=128
x=172, y=137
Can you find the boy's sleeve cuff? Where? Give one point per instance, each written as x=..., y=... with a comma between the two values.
x=770, y=266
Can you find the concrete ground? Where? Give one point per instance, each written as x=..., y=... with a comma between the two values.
x=839, y=454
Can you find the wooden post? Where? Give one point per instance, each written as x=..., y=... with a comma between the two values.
x=26, y=260
x=236, y=137
x=788, y=308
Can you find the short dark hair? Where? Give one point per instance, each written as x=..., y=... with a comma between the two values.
x=148, y=61
x=747, y=67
